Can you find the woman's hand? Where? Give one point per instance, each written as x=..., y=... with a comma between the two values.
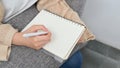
x=35, y=42
x=81, y=40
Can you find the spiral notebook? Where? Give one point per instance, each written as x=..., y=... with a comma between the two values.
x=65, y=33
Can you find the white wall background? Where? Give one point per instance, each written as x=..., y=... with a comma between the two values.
x=103, y=19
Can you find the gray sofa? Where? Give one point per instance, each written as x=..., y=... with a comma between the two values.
x=23, y=57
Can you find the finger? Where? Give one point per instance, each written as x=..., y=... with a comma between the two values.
x=41, y=38
x=39, y=27
x=44, y=37
x=49, y=34
x=40, y=44
x=35, y=28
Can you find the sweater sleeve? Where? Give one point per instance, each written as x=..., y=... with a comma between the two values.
x=6, y=34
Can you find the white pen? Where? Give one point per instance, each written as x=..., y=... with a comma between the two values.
x=34, y=34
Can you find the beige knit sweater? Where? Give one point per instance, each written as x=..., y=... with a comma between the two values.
x=59, y=7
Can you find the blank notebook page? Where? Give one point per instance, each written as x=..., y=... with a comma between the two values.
x=65, y=33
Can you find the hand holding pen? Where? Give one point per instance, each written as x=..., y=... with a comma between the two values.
x=32, y=37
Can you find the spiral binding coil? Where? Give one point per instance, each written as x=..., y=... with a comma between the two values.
x=62, y=18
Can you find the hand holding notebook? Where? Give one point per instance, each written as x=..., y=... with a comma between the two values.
x=65, y=33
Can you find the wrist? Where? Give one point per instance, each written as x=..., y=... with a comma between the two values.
x=18, y=39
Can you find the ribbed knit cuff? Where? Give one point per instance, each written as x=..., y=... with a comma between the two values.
x=4, y=52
